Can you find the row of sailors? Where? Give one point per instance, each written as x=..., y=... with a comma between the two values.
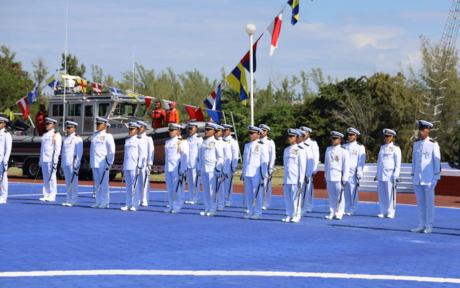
x=213, y=160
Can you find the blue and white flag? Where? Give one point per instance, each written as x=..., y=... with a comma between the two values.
x=213, y=100
x=33, y=95
x=115, y=91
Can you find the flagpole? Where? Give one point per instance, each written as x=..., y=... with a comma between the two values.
x=251, y=29
x=65, y=66
x=133, y=74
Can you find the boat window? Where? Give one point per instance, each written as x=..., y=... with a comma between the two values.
x=74, y=110
x=103, y=108
x=57, y=110
x=140, y=111
x=89, y=111
x=124, y=109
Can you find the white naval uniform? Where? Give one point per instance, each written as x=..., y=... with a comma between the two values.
x=388, y=168
x=426, y=169
x=222, y=194
x=235, y=158
x=193, y=179
x=101, y=159
x=5, y=151
x=255, y=168
x=336, y=171
x=271, y=167
x=294, y=159
x=72, y=151
x=211, y=159
x=309, y=197
x=133, y=164
x=182, y=187
x=307, y=186
x=49, y=158
x=144, y=177
x=357, y=158
x=176, y=158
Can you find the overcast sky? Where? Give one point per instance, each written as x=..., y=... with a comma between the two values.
x=346, y=38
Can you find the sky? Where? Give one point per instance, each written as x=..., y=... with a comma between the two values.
x=345, y=38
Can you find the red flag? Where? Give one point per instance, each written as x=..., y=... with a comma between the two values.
x=97, y=88
x=24, y=105
x=199, y=114
x=190, y=111
x=275, y=29
x=148, y=100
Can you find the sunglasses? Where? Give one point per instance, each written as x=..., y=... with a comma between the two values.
x=387, y=136
x=48, y=123
x=251, y=133
x=290, y=136
x=69, y=127
x=99, y=124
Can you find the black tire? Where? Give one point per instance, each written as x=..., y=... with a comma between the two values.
x=32, y=168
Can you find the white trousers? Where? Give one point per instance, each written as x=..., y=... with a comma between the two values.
x=229, y=189
x=334, y=189
x=4, y=186
x=291, y=200
x=425, y=203
x=386, y=198
x=208, y=180
x=130, y=178
x=47, y=170
x=102, y=198
x=351, y=195
x=222, y=194
x=182, y=192
x=267, y=198
x=72, y=195
x=251, y=185
x=193, y=185
x=307, y=196
x=145, y=188
x=172, y=180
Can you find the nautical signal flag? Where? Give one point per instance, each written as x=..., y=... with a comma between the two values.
x=24, y=105
x=190, y=111
x=148, y=100
x=9, y=113
x=245, y=61
x=115, y=91
x=97, y=88
x=51, y=82
x=215, y=116
x=33, y=95
x=199, y=114
x=275, y=29
x=83, y=84
x=237, y=79
x=295, y=11
x=213, y=100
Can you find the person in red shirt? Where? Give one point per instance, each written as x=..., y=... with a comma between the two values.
x=40, y=119
x=172, y=116
x=158, y=116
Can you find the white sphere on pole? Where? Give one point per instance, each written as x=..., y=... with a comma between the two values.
x=251, y=29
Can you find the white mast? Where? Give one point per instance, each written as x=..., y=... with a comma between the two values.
x=65, y=66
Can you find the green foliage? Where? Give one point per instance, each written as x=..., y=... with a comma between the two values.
x=72, y=67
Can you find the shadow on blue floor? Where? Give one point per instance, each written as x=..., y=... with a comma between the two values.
x=41, y=236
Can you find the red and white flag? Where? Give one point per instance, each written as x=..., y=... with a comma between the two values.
x=24, y=105
x=190, y=111
x=275, y=29
x=97, y=88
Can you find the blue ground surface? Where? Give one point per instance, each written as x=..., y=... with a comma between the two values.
x=43, y=236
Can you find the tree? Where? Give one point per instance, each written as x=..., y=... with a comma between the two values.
x=72, y=67
x=97, y=74
x=40, y=73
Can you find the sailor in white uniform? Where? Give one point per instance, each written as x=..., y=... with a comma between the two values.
x=184, y=178
x=193, y=179
x=309, y=197
x=336, y=171
x=134, y=166
x=294, y=159
x=49, y=158
x=211, y=159
x=426, y=170
x=145, y=174
x=101, y=159
x=234, y=163
x=388, y=168
x=271, y=165
x=255, y=169
x=72, y=151
x=357, y=154
x=5, y=151
x=222, y=192
x=307, y=183
x=176, y=159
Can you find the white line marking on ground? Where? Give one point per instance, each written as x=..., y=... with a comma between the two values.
x=227, y=273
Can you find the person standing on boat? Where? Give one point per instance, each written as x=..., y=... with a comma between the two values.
x=5, y=151
x=101, y=158
x=234, y=163
x=158, y=116
x=172, y=116
x=49, y=158
x=336, y=171
x=149, y=155
x=70, y=162
x=426, y=170
x=193, y=179
x=357, y=158
x=388, y=168
x=40, y=120
x=271, y=165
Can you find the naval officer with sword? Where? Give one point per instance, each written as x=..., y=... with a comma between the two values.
x=5, y=151
x=70, y=162
x=145, y=174
x=271, y=165
x=228, y=183
x=193, y=179
x=49, y=158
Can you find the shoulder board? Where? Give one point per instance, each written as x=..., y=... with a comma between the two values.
x=107, y=132
x=260, y=142
x=312, y=140
x=78, y=136
x=198, y=137
x=300, y=147
x=139, y=137
x=343, y=147
x=216, y=138
x=395, y=145
x=432, y=140
x=418, y=140
x=359, y=144
x=204, y=138
x=233, y=138
x=57, y=132
x=308, y=145
x=269, y=138
x=226, y=140
x=7, y=131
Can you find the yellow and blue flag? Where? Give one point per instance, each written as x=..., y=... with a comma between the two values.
x=295, y=10
x=51, y=82
x=237, y=79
